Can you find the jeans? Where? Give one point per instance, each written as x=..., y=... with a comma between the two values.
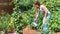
x=45, y=24
x=45, y=28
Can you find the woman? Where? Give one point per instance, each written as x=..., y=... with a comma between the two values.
x=42, y=9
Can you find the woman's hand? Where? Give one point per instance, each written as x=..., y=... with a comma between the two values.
x=44, y=20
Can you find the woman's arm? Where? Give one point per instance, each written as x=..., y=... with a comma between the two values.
x=45, y=14
x=45, y=11
x=37, y=14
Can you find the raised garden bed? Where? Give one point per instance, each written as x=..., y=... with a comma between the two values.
x=57, y=33
x=29, y=31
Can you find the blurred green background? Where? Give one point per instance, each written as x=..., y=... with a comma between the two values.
x=24, y=14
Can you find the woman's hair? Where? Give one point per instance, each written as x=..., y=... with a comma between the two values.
x=37, y=3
